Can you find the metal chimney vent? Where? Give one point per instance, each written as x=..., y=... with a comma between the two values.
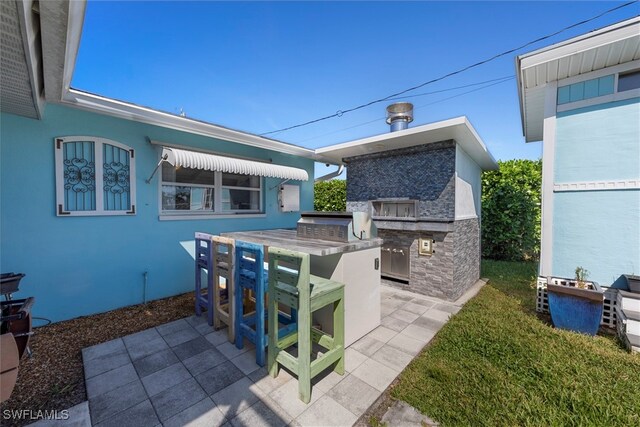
x=399, y=115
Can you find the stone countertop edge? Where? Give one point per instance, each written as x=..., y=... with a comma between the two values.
x=287, y=239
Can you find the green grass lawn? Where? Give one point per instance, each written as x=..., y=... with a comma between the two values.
x=497, y=363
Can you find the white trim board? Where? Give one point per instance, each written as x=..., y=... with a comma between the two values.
x=616, y=69
x=548, y=160
x=630, y=184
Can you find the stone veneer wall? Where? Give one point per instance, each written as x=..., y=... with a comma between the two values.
x=451, y=270
x=425, y=173
x=466, y=254
x=429, y=275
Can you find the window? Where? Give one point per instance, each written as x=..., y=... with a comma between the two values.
x=94, y=176
x=185, y=189
x=200, y=191
x=629, y=81
x=586, y=90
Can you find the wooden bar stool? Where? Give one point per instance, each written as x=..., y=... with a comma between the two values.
x=292, y=285
x=204, y=266
x=250, y=279
x=224, y=305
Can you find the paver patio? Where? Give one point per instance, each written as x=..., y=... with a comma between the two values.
x=183, y=373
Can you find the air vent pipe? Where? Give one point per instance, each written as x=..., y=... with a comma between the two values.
x=399, y=115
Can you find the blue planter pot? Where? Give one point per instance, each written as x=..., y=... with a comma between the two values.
x=575, y=309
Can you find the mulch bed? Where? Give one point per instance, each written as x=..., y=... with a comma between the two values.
x=53, y=379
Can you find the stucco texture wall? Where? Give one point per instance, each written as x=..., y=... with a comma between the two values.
x=598, y=143
x=82, y=265
x=598, y=230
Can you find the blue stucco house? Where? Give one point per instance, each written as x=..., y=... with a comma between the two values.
x=82, y=212
x=581, y=98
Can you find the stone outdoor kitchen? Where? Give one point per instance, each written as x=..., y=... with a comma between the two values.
x=421, y=186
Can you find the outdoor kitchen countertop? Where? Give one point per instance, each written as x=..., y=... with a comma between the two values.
x=287, y=239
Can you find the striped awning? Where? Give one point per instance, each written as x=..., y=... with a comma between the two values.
x=212, y=162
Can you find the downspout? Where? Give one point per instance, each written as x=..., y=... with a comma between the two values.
x=330, y=175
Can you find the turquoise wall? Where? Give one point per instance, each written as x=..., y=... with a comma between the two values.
x=598, y=143
x=598, y=230
x=83, y=265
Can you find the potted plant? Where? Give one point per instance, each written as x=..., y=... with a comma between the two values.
x=577, y=304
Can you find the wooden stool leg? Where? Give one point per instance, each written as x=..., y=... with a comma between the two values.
x=198, y=284
x=304, y=361
x=261, y=342
x=239, y=309
x=231, y=330
x=217, y=323
x=304, y=346
x=272, y=313
x=211, y=295
x=338, y=332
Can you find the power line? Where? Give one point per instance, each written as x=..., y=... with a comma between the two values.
x=340, y=113
x=452, y=88
x=415, y=108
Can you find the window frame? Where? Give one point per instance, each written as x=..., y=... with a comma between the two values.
x=217, y=211
x=99, y=177
x=616, y=70
x=626, y=73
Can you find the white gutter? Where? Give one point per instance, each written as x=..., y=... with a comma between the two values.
x=125, y=110
x=330, y=175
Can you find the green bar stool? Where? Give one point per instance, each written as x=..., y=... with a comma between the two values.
x=292, y=285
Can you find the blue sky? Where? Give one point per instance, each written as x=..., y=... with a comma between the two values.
x=262, y=66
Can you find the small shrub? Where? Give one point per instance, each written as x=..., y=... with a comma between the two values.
x=330, y=196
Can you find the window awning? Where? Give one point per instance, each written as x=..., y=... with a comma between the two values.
x=212, y=162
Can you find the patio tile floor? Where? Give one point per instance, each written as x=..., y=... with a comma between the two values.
x=184, y=372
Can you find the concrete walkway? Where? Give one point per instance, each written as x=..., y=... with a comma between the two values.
x=184, y=373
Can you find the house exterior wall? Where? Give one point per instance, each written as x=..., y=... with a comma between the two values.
x=598, y=143
x=77, y=266
x=597, y=229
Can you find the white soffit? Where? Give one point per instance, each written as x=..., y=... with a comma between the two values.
x=606, y=47
x=212, y=162
x=458, y=129
x=599, y=49
x=19, y=75
x=534, y=108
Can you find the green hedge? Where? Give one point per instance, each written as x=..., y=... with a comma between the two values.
x=330, y=196
x=511, y=210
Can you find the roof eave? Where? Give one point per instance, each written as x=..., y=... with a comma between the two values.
x=557, y=51
x=470, y=142
x=115, y=108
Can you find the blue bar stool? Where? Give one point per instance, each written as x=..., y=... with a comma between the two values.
x=204, y=267
x=251, y=278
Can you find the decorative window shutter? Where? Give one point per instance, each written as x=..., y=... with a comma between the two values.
x=94, y=176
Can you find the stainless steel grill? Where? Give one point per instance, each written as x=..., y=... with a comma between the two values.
x=336, y=226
